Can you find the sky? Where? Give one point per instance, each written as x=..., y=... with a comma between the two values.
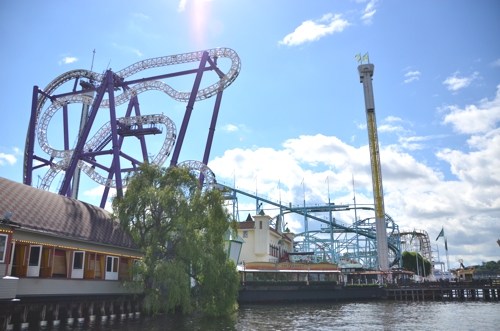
x=292, y=126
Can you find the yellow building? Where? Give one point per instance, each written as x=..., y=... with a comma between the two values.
x=262, y=241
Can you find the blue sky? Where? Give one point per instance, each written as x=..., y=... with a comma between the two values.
x=295, y=115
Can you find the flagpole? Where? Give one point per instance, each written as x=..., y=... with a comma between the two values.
x=423, y=261
x=355, y=219
x=416, y=256
x=447, y=256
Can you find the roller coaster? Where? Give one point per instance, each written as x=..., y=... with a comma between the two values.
x=99, y=149
x=101, y=155
x=335, y=242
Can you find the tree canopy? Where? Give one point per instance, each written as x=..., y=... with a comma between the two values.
x=490, y=268
x=181, y=231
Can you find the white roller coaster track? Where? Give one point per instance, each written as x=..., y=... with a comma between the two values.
x=42, y=122
x=99, y=138
x=209, y=176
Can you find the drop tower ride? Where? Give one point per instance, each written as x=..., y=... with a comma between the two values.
x=365, y=76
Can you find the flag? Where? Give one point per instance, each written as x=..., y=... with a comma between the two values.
x=413, y=235
x=358, y=57
x=366, y=58
x=441, y=234
x=446, y=244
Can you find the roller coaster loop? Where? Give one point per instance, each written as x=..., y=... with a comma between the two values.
x=83, y=156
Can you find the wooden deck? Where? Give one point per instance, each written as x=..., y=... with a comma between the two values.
x=445, y=291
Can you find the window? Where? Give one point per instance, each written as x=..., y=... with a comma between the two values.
x=34, y=261
x=112, y=268
x=3, y=247
x=245, y=234
x=78, y=261
x=78, y=258
x=34, y=256
x=260, y=224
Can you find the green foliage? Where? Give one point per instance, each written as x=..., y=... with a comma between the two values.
x=488, y=268
x=181, y=230
x=410, y=263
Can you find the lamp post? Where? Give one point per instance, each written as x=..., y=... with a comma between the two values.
x=234, y=245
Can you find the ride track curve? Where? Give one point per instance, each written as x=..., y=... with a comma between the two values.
x=307, y=211
x=87, y=148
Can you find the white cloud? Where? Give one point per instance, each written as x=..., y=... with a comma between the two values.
x=314, y=30
x=413, y=76
x=97, y=192
x=409, y=80
x=495, y=63
x=475, y=119
x=230, y=128
x=7, y=158
x=414, y=142
x=455, y=83
x=393, y=119
x=369, y=12
x=68, y=60
x=412, y=73
x=415, y=194
x=390, y=128
x=361, y=126
x=182, y=6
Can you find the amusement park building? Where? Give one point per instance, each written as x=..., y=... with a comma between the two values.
x=51, y=245
x=262, y=242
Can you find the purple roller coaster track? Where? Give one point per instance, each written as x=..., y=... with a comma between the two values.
x=100, y=155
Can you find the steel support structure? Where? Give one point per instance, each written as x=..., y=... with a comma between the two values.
x=108, y=140
x=365, y=74
x=343, y=241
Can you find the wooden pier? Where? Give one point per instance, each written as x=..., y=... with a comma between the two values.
x=444, y=291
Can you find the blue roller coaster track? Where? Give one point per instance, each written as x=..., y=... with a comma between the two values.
x=334, y=242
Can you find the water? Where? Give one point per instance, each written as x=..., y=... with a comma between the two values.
x=373, y=315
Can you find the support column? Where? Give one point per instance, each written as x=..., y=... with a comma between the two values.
x=70, y=319
x=112, y=314
x=43, y=321
x=104, y=317
x=81, y=319
x=55, y=315
x=28, y=157
x=24, y=318
x=6, y=323
x=122, y=311
x=129, y=310
x=189, y=110
x=91, y=313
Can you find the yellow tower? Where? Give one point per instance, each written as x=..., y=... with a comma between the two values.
x=365, y=76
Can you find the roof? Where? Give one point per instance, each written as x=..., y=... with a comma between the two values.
x=246, y=225
x=50, y=213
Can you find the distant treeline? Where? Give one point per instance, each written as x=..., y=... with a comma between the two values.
x=490, y=268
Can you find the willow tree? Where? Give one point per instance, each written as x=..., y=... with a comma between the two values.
x=180, y=230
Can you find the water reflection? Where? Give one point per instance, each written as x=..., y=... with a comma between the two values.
x=374, y=315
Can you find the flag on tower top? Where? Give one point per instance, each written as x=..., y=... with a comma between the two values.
x=441, y=234
x=358, y=57
x=366, y=58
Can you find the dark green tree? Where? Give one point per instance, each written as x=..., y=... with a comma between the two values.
x=490, y=268
x=180, y=230
x=410, y=263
